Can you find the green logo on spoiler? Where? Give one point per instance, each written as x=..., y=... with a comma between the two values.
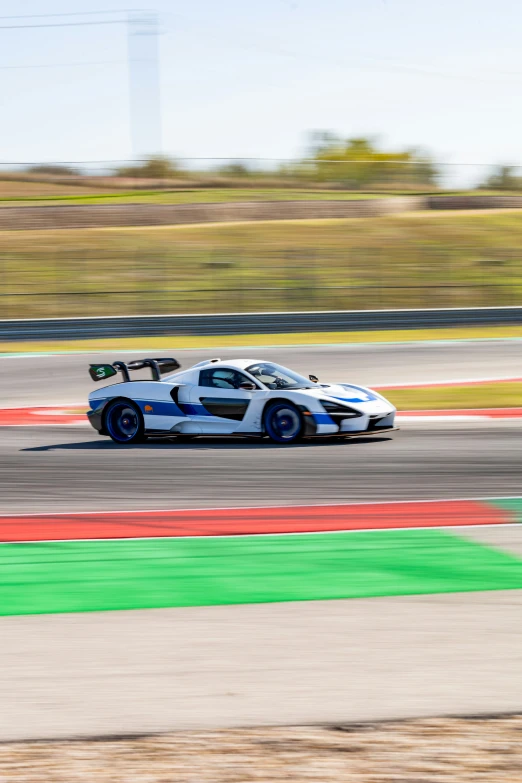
x=99, y=372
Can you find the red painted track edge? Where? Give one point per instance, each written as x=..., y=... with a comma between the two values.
x=251, y=521
x=35, y=416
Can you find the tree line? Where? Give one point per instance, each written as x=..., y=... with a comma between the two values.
x=353, y=163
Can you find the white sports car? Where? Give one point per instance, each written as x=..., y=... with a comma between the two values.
x=247, y=397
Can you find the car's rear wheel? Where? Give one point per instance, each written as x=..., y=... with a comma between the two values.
x=124, y=422
x=283, y=422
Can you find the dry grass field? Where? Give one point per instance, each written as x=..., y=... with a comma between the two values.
x=409, y=260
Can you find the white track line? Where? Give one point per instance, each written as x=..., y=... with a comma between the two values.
x=260, y=508
x=263, y=535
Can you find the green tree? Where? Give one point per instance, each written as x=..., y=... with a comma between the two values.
x=357, y=163
x=155, y=167
x=234, y=169
x=53, y=169
x=503, y=178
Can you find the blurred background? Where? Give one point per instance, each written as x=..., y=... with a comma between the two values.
x=456, y=257
x=167, y=116
x=240, y=158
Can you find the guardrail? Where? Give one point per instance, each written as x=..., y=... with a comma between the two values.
x=252, y=323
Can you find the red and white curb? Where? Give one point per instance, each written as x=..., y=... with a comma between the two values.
x=466, y=414
x=68, y=415
x=75, y=416
x=254, y=520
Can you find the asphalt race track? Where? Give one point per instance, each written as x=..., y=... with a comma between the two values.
x=61, y=468
x=134, y=671
x=56, y=380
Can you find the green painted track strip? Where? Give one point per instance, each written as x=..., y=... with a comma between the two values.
x=514, y=505
x=130, y=574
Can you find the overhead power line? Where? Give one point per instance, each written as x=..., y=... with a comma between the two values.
x=142, y=159
x=60, y=24
x=76, y=13
x=68, y=162
x=60, y=65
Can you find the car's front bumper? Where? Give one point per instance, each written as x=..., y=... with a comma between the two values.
x=366, y=422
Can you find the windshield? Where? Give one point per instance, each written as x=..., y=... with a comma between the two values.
x=276, y=377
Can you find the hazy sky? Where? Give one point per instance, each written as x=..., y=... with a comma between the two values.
x=244, y=79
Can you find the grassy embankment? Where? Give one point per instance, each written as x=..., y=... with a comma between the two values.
x=206, y=196
x=410, y=260
x=182, y=196
x=26, y=189
x=484, y=395
x=214, y=342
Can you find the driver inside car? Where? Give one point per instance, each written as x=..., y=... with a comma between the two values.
x=226, y=379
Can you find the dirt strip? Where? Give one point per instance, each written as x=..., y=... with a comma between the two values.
x=419, y=751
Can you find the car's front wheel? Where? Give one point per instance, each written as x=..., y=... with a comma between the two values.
x=124, y=422
x=283, y=422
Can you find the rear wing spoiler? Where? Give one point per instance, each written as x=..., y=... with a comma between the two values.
x=100, y=372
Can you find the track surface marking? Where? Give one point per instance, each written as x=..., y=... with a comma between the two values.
x=250, y=521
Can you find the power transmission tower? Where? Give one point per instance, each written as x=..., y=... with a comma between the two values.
x=144, y=83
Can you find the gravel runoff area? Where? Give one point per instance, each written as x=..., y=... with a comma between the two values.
x=456, y=750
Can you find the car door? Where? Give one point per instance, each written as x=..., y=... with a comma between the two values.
x=217, y=400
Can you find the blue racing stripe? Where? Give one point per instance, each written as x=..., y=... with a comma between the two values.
x=160, y=408
x=323, y=418
x=349, y=399
x=163, y=408
x=367, y=395
x=191, y=409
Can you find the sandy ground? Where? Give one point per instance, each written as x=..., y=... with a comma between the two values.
x=296, y=663
x=420, y=751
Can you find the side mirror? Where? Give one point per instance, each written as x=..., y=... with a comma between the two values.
x=314, y=378
x=247, y=386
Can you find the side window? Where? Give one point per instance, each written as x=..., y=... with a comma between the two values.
x=205, y=378
x=221, y=378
